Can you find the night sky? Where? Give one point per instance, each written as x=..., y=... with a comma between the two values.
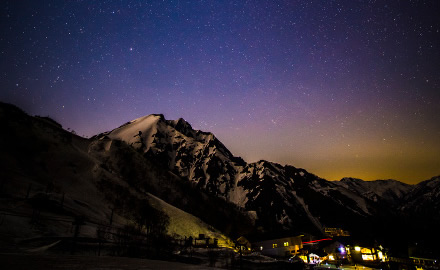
x=340, y=88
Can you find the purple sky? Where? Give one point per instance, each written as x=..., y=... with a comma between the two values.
x=340, y=88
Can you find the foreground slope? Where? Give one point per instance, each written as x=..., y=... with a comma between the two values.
x=51, y=177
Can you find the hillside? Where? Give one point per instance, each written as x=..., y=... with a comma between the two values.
x=51, y=177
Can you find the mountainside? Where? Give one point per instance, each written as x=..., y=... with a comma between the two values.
x=271, y=191
x=280, y=197
x=388, y=191
x=51, y=178
x=424, y=199
x=195, y=155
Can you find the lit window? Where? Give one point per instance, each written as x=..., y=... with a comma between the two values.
x=366, y=250
x=331, y=257
x=274, y=245
x=366, y=257
x=261, y=248
x=357, y=248
x=286, y=244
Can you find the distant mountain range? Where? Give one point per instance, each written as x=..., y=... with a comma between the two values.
x=192, y=170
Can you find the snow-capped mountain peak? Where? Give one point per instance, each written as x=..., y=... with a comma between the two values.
x=279, y=197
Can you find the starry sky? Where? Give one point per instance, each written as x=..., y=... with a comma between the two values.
x=340, y=88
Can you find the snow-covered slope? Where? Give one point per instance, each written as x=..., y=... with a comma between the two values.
x=388, y=191
x=281, y=197
x=62, y=176
x=424, y=198
x=196, y=155
x=185, y=224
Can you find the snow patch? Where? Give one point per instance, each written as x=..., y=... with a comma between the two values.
x=130, y=133
x=185, y=224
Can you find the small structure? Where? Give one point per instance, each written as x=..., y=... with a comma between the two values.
x=243, y=244
x=280, y=247
x=366, y=255
x=204, y=241
x=336, y=232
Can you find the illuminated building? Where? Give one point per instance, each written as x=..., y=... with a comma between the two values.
x=366, y=254
x=280, y=247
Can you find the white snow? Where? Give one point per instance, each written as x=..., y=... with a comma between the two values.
x=237, y=195
x=359, y=201
x=185, y=224
x=146, y=124
x=385, y=189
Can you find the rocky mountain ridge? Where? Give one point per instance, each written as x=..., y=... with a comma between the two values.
x=280, y=197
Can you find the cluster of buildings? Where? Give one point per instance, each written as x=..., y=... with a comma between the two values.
x=335, y=248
